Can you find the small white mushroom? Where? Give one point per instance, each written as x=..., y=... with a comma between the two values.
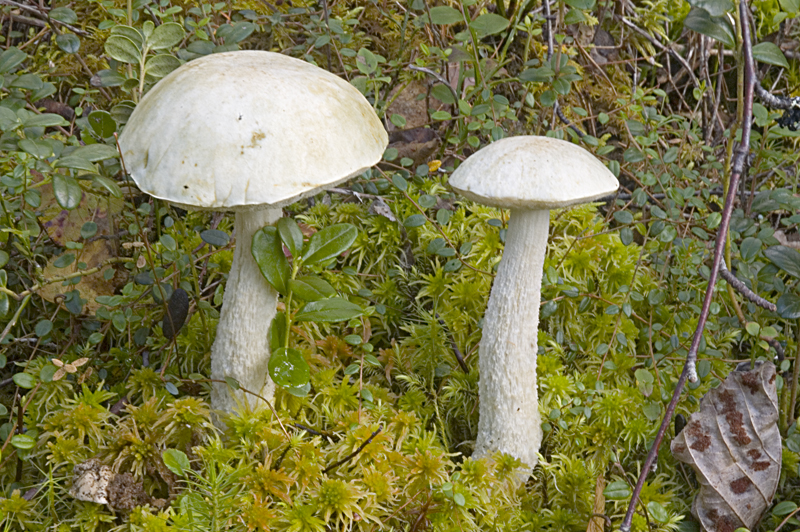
x=248, y=132
x=530, y=176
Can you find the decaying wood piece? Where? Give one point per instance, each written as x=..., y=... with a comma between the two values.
x=734, y=446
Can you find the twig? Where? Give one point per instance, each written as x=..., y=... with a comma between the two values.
x=689, y=369
x=438, y=78
x=556, y=107
x=456, y=350
x=354, y=453
x=742, y=289
x=42, y=14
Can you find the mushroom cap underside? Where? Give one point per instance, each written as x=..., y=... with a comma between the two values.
x=240, y=129
x=530, y=172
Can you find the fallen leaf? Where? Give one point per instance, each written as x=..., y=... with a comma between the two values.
x=64, y=226
x=734, y=446
x=596, y=524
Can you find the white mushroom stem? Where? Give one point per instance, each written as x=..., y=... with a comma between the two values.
x=241, y=349
x=509, y=402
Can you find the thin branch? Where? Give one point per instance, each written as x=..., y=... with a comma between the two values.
x=438, y=78
x=456, y=350
x=689, y=369
x=742, y=289
x=354, y=453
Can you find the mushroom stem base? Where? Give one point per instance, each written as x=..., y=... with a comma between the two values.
x=509, y=402
x=241, y=348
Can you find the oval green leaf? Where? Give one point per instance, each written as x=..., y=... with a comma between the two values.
x=291, y=235
x=329, y=242
x=287, y=367
x=176, y=461
x=329, y=310
x=268, y=253
x=311, y=288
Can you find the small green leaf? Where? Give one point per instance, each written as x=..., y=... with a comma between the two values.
x=291, y=235
x=10, y=59
x=232, y=383
x=160, y=65
x=445, y=15
x=459, y=499
x=287, y=367
x=67, y=191
x=171, y=388
x=769, y=53
x=617, y=490
x=68, y=42
x=785, y=258
x=77, y=163
x=311, y=288
x=24, y=380
x=657, y=512
x=176, y=461
x=43, y=328
x=22, y=441
x=329, y=310
x=277, y=332
x=102, y=124
x=415, y=220
x=784, y=508
x=123, y=49
x=329, y=242
x=489, y=24
x=268, y=253
x=166, y=36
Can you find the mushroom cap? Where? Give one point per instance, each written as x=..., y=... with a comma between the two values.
x=530, y=172
x=236, y=130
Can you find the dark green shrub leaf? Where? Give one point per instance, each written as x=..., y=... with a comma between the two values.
x=78, y=163
x=749, y=248
x=623, y=217
x=68, y=42
x=715, y=8
x=171, y=388
x=769, y=53
x=43, y=328
x=291, y=235
x=96, y=152
x=329, y=310
x=64, y=14
x=784, y=508
x=67, y=191
x=718, y=28
x=789, y=306
x=287, y=367
x=38, y=148
x=10, y=59
x=215, y=237
x=277, y=332
x=785, y=258
x=329, y=242
x=176, y=461
x=102, y=124
x=268, y=253
x=626, y=236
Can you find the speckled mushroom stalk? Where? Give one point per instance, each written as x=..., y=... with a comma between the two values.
x=528, y=175
x=241, y=349
x=509, y=402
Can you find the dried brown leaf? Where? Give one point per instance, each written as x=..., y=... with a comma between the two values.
x=734, y=446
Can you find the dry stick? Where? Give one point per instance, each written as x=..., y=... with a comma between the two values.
x=354, y=453
x=689, y=369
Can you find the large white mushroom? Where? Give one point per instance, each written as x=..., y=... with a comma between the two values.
x=530, y=176
x=248, y=132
